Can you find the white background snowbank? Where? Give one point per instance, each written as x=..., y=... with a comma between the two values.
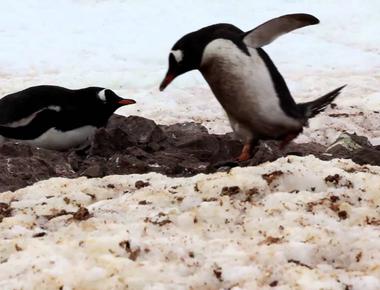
x=124, y=45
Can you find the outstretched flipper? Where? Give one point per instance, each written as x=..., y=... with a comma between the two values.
x=270, y=30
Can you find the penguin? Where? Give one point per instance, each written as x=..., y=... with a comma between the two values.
x=245, y=81
x=57, y=118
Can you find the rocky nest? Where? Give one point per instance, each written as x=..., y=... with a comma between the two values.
x=138, y=145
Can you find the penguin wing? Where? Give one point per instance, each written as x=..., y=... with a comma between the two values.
x=33, y=128
x=270, y=30
x=27, y=119
x=24, y=105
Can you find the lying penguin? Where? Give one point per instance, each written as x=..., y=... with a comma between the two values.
x=57, y=118
x=244, y=79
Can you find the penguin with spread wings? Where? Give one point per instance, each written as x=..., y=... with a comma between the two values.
x=244, y=79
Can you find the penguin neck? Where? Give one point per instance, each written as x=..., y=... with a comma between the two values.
x=103, y=114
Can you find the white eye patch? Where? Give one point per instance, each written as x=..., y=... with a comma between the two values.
x=55, y=108
x=102, y=95
x=178, y=55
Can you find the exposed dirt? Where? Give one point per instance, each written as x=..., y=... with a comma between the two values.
x=139, y=145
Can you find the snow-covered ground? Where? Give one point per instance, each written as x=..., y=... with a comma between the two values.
x=123, y=45
x=296, y=223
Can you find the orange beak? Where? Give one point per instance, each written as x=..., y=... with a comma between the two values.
x=167, y=80
x=126, y=102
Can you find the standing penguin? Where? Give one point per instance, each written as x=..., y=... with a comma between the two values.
x=244, y=79
x=57, y=118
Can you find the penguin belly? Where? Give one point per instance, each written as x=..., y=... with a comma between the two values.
x=244, y=87
x=58, y=140
x=61, y=140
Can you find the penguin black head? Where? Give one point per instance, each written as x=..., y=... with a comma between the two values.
x=109, y=98
x=186, y=54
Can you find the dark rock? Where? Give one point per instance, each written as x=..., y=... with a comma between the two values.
x=177, y=131
x=361, y=140
x=101, y=144
x=124, y=164
x=15, y=150
x=339, y=151
x=140, y=184
x=367, y=156
x=5, y=211
x=270, y=151
x=39, y=235
x=138, y=145
x=139, y=130
x=93, y=171
x=357, y=148
x=138, y=152
x=81, y=214
x=230, y=190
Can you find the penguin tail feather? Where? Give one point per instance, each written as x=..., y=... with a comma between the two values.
x=313, y=108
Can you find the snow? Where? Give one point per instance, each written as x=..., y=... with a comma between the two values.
x=294, y=227
x=123, y=45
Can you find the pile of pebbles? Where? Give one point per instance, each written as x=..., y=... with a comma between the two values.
x=138, y=145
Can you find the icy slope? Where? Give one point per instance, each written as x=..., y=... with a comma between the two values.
x=297, y=223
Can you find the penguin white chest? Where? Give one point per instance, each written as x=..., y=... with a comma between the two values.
x=59, y=140
x=243, y=85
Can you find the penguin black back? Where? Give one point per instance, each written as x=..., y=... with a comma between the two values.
x=21, y=104
x=193, y=44
x=287, y=102
x=87, y=101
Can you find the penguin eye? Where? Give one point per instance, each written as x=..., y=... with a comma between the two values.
x=178, y=55
x=102, y=95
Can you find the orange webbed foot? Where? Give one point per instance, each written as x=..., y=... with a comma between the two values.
x=245, y=153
